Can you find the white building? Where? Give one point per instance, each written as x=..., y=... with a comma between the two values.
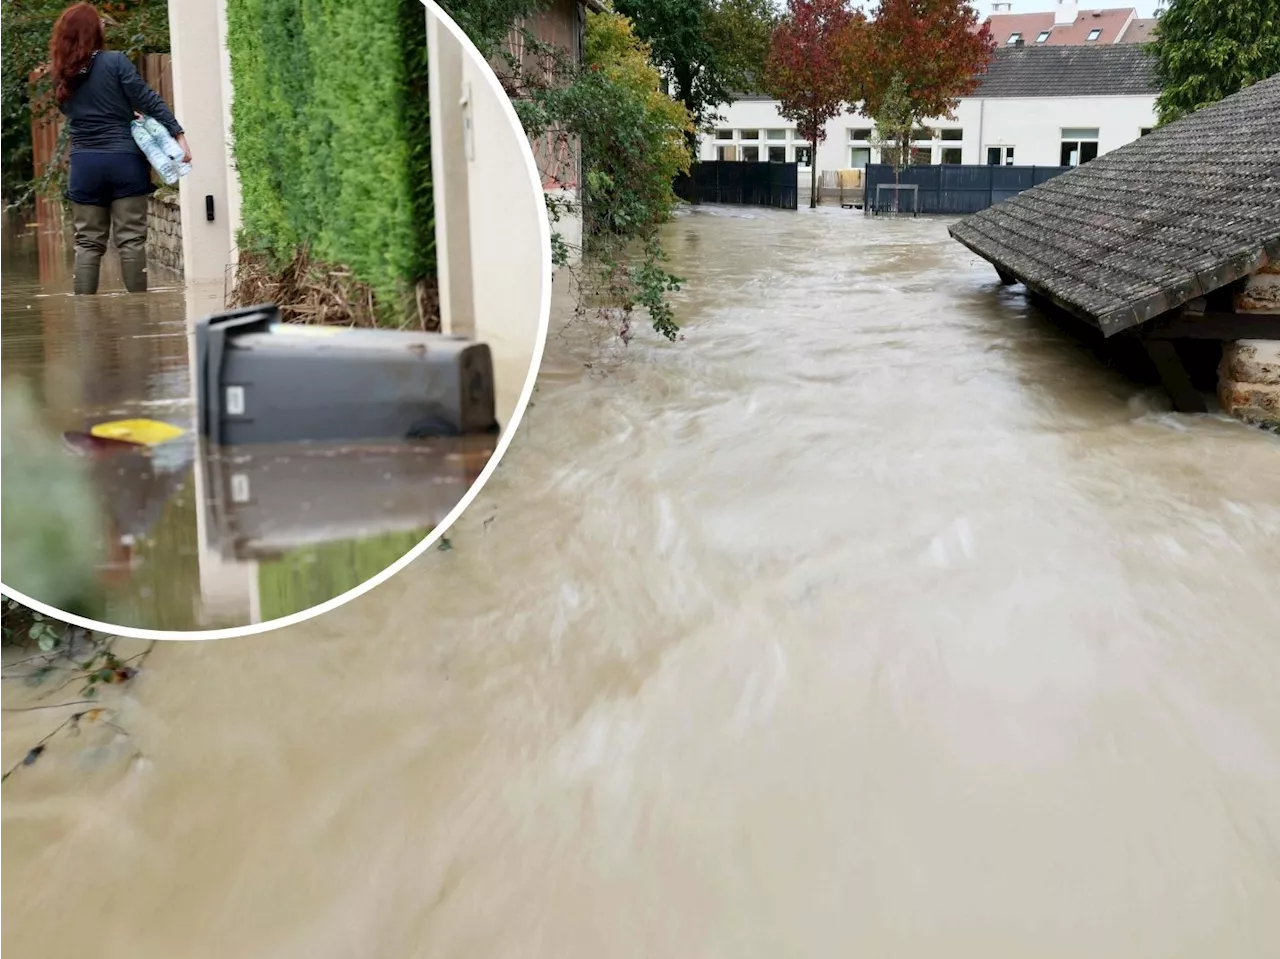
x=1037, y=106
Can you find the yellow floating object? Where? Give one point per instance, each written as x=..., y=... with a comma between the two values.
x=142, y=432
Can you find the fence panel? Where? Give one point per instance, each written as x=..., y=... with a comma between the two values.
x=741, y=182
x=951, y=189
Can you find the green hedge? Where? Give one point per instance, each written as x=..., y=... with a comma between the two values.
x=331, y=135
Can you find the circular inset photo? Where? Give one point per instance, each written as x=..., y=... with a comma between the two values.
x=274, y=308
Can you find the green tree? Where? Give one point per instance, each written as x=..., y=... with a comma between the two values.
x=895, y=120
x=632, y=140
x=809, y=56
x=1209, y=49
x=921, y=57
x=708, y=50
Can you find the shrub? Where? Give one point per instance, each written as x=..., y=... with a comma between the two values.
x=331, y=137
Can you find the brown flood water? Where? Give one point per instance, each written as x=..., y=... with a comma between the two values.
x=195, y=538
x=874, y=619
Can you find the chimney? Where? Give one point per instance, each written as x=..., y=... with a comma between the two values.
x=1065, y=14
x=1002, y=6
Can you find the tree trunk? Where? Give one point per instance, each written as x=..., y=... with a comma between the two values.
x=813, y=179
x=684, y=85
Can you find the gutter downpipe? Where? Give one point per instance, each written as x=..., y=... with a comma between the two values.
x=982, y=112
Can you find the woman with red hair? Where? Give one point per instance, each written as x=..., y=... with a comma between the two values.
x=110, y=187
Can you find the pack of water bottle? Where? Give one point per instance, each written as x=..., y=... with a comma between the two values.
x=160, y=149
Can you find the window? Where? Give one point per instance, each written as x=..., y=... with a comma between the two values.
x=859, y=157
x=1000, y=156
x=921, y=135
x=1144, y=131
x=921, y=156
x=953, y=135
x=777, y=154
x=748, y=134
x=1078, y=146
x=860, y=135
x=1093, y=34
x=775, y=134
x=1044, y=35
x=724, y=134
x=726, y=153
x=1014, y=39
x=751, y=154
x=952, y=155
x=804, y=155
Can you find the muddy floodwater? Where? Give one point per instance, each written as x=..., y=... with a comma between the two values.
x=875, y=618
x=196, y=538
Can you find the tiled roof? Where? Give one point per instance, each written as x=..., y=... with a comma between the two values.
x=1147, y=228
x=1031, y=25
x=1113, y=70
x=1139, y=31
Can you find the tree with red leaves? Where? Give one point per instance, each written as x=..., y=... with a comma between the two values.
x=926, y=54
x=809, y=68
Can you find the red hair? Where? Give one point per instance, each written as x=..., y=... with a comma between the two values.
x=77, y=36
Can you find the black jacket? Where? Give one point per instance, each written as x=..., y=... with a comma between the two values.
x=103, y=101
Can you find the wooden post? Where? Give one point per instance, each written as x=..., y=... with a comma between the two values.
x=1173, y=375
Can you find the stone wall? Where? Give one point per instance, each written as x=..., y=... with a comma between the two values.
x=164, y=233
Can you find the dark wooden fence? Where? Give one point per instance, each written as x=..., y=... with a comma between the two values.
x=951, y=189
x=741, y=181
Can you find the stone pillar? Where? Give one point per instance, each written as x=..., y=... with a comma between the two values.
x=1249, y=381
x=199, y=82
x=1249, y=377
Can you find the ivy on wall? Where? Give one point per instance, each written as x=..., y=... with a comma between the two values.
x=331, y=136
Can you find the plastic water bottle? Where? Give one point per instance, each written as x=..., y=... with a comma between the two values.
x=162, y=137
x=170, y=168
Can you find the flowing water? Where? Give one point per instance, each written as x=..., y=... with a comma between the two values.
x=195, y=538
x=875, y=618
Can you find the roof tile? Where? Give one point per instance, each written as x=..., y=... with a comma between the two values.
x=1151, y=226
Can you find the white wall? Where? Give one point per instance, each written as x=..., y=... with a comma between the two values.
x=200, y=77
x=494, y=193
x=1033, y=126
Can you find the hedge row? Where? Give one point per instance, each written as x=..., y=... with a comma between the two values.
x=331, y=135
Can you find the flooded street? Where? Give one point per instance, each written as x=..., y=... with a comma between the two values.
x=193, y=538
x=875, y=618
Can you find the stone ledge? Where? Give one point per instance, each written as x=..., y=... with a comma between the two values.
x=1249, y=381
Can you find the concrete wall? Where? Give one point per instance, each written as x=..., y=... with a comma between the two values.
x=201, y=79
x=1033, y=127
x=488, y=212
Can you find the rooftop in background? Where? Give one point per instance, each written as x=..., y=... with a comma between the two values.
x=1147, y=228
x=1139, y=31
x=1123, y=70
x=1040, y=29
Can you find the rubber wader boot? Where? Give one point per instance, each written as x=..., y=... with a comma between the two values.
x=129, y=223
x=93, y=227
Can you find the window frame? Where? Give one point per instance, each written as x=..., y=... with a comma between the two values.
x=1013, y=39
x=1043, y=36
x=1007, y=153
x=1094, y=35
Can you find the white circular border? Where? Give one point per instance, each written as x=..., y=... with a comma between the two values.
x=544, y=231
